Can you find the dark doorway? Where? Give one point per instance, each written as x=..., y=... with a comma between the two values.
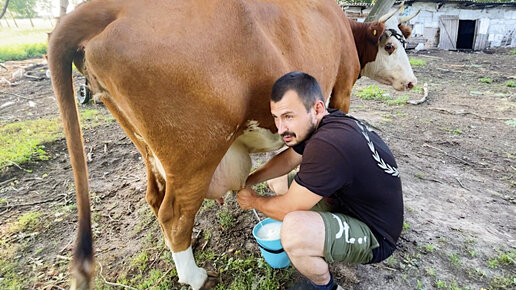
x=466, y=34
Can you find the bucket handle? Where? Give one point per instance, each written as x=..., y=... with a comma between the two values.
x=272, y=251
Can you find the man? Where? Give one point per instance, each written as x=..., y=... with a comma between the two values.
x=345, y=203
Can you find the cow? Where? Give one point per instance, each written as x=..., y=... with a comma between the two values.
x=189, y=82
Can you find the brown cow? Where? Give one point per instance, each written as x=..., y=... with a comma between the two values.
x=189, y=82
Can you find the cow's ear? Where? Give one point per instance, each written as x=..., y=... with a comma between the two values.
x=375, y=31
x=405, y=30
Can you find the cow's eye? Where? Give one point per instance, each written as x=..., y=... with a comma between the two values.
x=389, y=48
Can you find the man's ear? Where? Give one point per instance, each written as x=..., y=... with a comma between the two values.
x=405, y=30
x=375, y=31
x=319, y=107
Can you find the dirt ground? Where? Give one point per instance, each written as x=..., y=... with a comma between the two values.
x=456, y=154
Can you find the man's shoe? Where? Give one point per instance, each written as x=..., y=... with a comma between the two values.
x=306, y=284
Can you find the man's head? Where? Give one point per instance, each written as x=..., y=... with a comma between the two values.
x=297, y=106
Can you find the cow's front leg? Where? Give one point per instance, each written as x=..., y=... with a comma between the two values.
x=176, y=217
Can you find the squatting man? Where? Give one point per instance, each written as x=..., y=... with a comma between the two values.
x=345, y=203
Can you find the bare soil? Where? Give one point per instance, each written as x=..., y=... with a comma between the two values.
x=456, y=154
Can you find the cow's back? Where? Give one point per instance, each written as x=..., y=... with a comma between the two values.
x=185, y=56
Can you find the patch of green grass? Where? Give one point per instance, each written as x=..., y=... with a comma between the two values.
x=429, y=248
x=406, y=227
x=372, y=92
x=501, y=282
x=226, y=219
x=511, y=122
x=430, y=271
x=391, y=261
x=156, y=279
x=440, y=284
x=8, y=272
x=398, y=101
x=22, y=51
x=22, y=142
x=513, y=51
x=261, y=188
x=486, y=80
x=510, y=83
x=3, y=201
x=455, y=260
x=417, y=62
x=492, y=263
x=207, y=204
x=140, y=261
x=456, y=132
x=250, y=273
x=27, y=222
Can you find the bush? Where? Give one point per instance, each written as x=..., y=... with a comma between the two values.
x=22, y=51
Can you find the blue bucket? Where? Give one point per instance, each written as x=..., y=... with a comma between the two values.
x=272, y=250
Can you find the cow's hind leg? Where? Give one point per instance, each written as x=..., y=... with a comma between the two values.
x=176, y=215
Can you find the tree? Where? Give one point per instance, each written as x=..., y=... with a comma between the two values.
x=4, y=9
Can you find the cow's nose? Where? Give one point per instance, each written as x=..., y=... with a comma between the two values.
x=410, y=85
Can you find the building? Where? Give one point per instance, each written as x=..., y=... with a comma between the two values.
x=454, y=25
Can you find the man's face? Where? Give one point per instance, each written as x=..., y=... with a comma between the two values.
x=294, y=123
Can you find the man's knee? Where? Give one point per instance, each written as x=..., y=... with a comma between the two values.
x=299, y=231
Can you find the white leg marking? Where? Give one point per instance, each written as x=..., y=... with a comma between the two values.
x=187, y=270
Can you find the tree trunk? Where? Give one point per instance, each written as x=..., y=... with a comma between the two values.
x=380, y=8
x=31, y=23
x=63, y=4
x=15, y=24
x=4, y=9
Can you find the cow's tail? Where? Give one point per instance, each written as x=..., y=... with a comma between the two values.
x=74, y=30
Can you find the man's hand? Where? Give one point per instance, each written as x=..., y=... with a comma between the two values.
x=246, y=198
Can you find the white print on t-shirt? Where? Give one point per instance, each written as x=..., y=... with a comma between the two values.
x=344, y=229
x=385, y=166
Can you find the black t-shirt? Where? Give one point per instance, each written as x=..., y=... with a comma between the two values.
x=353, y=169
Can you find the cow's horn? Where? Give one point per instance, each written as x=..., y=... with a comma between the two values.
x=390, y=14
x=407, y=18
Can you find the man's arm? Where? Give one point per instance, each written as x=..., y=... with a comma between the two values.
x=279, y=165
x=276, y=207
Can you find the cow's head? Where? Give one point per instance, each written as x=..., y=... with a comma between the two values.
x=391, y=65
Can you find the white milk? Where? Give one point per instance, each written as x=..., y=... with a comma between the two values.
x=269, y=231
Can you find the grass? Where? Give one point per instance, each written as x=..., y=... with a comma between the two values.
x=486, y=80
x=373, y=92
x=22, y=51
x=510, y=83
x=226, y=219
x=417, y=62
x=27, y=222
x=23, y=43
x=511, y=122
x=140, y=261
x=21, y=142
x=513, y=51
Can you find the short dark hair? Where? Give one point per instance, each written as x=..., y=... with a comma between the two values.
x=305, y=85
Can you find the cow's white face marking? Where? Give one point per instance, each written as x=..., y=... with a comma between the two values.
x=391, y=69
x=187, y=270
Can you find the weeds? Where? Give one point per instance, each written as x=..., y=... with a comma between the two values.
x=513, y=51
x=140, y=261
x=22, y=142
x=226, y=219
x=27, y=222
x=417, y=62
x=486, y=80
x=511, y=122
x=429, y=248
x=455, y=260
x=22, y=51
x=372, y=92
x=510, y=83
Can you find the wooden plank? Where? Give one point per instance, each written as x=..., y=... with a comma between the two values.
x=448, y=32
